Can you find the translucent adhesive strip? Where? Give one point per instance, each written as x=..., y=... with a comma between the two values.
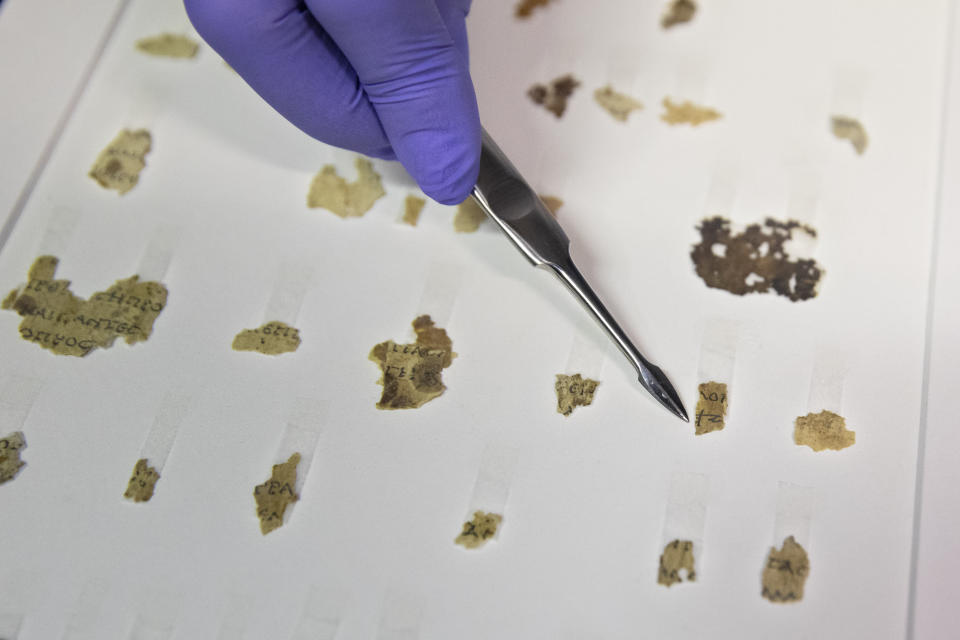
x=722, y=192
x=17, y=395
x=492, y=487
x=691, y=82
x=686, y=512
x=156, y=619
x=301, y=436
x=156, y=447
x=623, y=72
x=147, y=627
x=718, y=350
x=400, y=616
x=234, y=620
x=444, y=281
x=293, y=281
x=849, y=93
x=144, y=110
x=586, y=356
x=322, y=612
x=85, y=616
x=803, y=200
x=58, y=232
x=10, y=625
x=156, y=257
x=826, y=383
x=795, y=509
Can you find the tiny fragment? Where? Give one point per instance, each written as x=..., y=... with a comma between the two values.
x=476, y=532
x=168, y=45
x=271, y=339
x=10, y=463
x=553, y=96
x=118, y=166
x=711, y=407
x=756, y=260
x=346, y=199
x=677, y=556
x=469, y=216
x=412, y=373
x=687, y=113
x=574, y=391
x=276, y=494
x=142, y=482
x=525, y=7
x=678, y=12
x=58, y=320
x=785, y=572
x=553, y=203
x=845, y=128
x=824, y=430
x=619, y=105
x=412, y=207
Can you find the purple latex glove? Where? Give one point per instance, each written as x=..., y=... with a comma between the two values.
x=387, y=78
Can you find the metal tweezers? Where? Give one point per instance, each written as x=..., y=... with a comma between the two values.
x=510, y=202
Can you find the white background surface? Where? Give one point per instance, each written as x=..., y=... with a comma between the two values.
x=387, y=491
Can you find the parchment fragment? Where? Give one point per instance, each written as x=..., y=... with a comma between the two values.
x=412, y=372
x=477, y=531
x=687, y=113
x=469, y=216
x=785, y=572
x=10, y=463
x=850, y=129
x=677, y=12
x=824, y=430
x=619, y=105
x=168, y=45
x=118, y=166
x=412, y=207
x=142, y=482
x=346, y=199
x=711, y=407
x=274, y=495
x=553, y=203
x=56, y=319
x=271, y=339
x=677, y=556
x=755, y=261
x=553, y=97
x=574, y=391
x=525, y=7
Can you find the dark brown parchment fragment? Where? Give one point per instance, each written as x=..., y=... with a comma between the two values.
x=56, y=319
x=271, y=339
x=412, y=206
x=118, y=166
x=142, y=482
x=824, y=430
x=553, y=203
x=678, y=12
x=477, y=531
x=412, y=372
x=754, y=261
x=10, y=462
x=785, y=572
x=468, y=217
x=274, y=495
x=711, y=407
x=677, y=556
x=574, y=391
x=526, y=7
x=553, y=96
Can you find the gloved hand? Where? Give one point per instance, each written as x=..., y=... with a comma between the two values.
x=387, y=78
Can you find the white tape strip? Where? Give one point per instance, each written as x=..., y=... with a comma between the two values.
x=304, y=426
x=17, y=395
x=849, y=91
x=718, y=350
x=803, y=200
x=293, y=281
x=686, y=512
x=722, y=193
x=234, y=619
x=826, y=383
x=157, y=615
x=321, y=615
x=10, y=625
x=795, y=508
x=443, y=283
x=588, y=349
x=59, y=231
x=400, y=616
x=146, y=627
x=85, y=616
x=492, y=487
x=156, y=257
x=691, y=81
x=156, y=447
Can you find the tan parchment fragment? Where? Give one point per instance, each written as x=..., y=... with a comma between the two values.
x=619, y=105
x=553, y=96
x=677, y=12
x=346, y=199
x=118, y=166
x=477, y=531
x=469, y=216
x=850, y=129
x=711, y=407
x=10, y=463
x=553, y=203
x=412, y=207
x=574, y=391
x=687, y=113
x=276, y=494
x=756, y=260
x=142, y=482
x=676, y=556
x=824, y=430
x=412, y=372
x=272, y=338
x=525, y=7
x=56, y=319
x=168, y=45
x=785, y=572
